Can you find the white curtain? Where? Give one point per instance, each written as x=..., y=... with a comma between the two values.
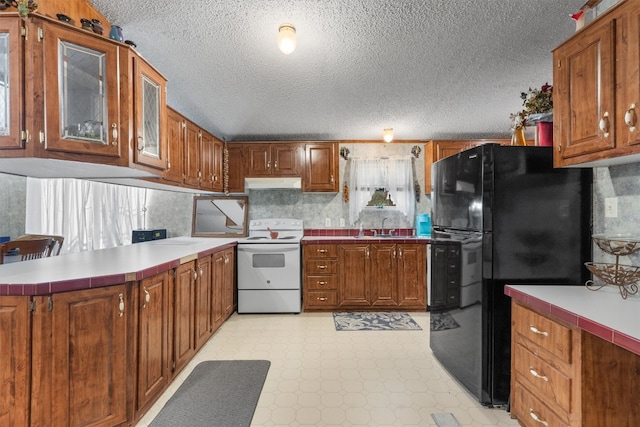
x=90, y=215
x=394, y=174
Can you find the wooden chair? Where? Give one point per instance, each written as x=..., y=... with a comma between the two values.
x=27, y=249
x=56, y=242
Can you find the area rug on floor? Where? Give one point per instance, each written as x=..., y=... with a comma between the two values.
x=218, y=393
x=375, y=321
x=442, y=321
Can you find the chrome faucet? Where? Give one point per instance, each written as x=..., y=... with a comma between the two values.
x=383, y=220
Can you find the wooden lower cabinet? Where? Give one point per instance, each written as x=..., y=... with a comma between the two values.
x=15, y=336
x=320, y=264
x=223, y=286
x=101, y=357
x=80, y=358
x=229, y=283
x=363, y=276
x=183, y=334
x=203, y=301
x=153, y=373
x=565, y=376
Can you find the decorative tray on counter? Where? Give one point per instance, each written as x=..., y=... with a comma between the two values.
x=625, y=277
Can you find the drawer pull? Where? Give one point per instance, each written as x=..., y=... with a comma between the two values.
x=322, y=251
x=537, y=331
x=322, y=283
x=322, y=267
x=536, y=418
x=322, y=298
x=537, y=375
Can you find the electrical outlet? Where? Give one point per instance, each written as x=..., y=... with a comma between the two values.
x=611, y=207
x=327, y=222
x=342, y=223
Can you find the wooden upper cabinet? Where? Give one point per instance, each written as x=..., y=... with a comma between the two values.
x=192, y=162
x=437, y=150
x=11, y=72
x=175, y=135
x=273, y=159
x=211, y=162
x=150, y=114
x=597, y=91
x=237, y=165
x=321, y=171
x=81, y=92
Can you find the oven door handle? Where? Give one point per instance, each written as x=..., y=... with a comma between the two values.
x=269, y=249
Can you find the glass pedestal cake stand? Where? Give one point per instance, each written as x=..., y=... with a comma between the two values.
x=625, y=277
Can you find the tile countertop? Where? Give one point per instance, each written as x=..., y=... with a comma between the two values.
x=601, y=312
x=104, y=267
x=342, y=240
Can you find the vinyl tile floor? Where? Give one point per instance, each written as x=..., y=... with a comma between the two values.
x=324, y=378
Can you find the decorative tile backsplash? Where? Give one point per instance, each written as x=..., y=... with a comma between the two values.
x=173, y=210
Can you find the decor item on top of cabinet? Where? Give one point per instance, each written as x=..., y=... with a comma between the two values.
x=415, y=150
x=538, y=109
x=116, y=33
x=344, y=153
x=625, y=277
x=517, y=131
x=24, y=6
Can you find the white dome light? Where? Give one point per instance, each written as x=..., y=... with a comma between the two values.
x=287, y=38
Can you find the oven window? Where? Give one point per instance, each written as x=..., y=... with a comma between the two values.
x=268, y=260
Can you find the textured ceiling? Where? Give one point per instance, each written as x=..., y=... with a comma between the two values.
x=431, y=69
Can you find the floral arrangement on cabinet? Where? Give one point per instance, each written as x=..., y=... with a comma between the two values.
x=535, y=102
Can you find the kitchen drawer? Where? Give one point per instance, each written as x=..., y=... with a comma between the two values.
x=321, y=299
x=531, y=412
x=321, y=251
x=320, y=266
x=321, y=283
x=550, y=335
x=542, y=378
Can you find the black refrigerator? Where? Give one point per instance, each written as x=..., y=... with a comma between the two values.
x=501, y=215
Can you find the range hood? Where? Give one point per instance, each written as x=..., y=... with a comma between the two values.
x=268, y=183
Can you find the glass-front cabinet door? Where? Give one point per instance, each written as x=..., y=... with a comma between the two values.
x=11, y=71
x=150, y=115
x=82, y=97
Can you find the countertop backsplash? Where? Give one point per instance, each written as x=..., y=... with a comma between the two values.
x=173, y=210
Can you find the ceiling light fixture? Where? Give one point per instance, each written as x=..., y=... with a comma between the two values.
x=387, y=134
x=287, y=38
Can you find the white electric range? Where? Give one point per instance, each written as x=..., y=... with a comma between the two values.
x=269, y=273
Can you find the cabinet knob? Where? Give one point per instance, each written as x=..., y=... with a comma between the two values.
x=140, y=144
x=604, y=124
x=630, y=118
x=275, y=164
